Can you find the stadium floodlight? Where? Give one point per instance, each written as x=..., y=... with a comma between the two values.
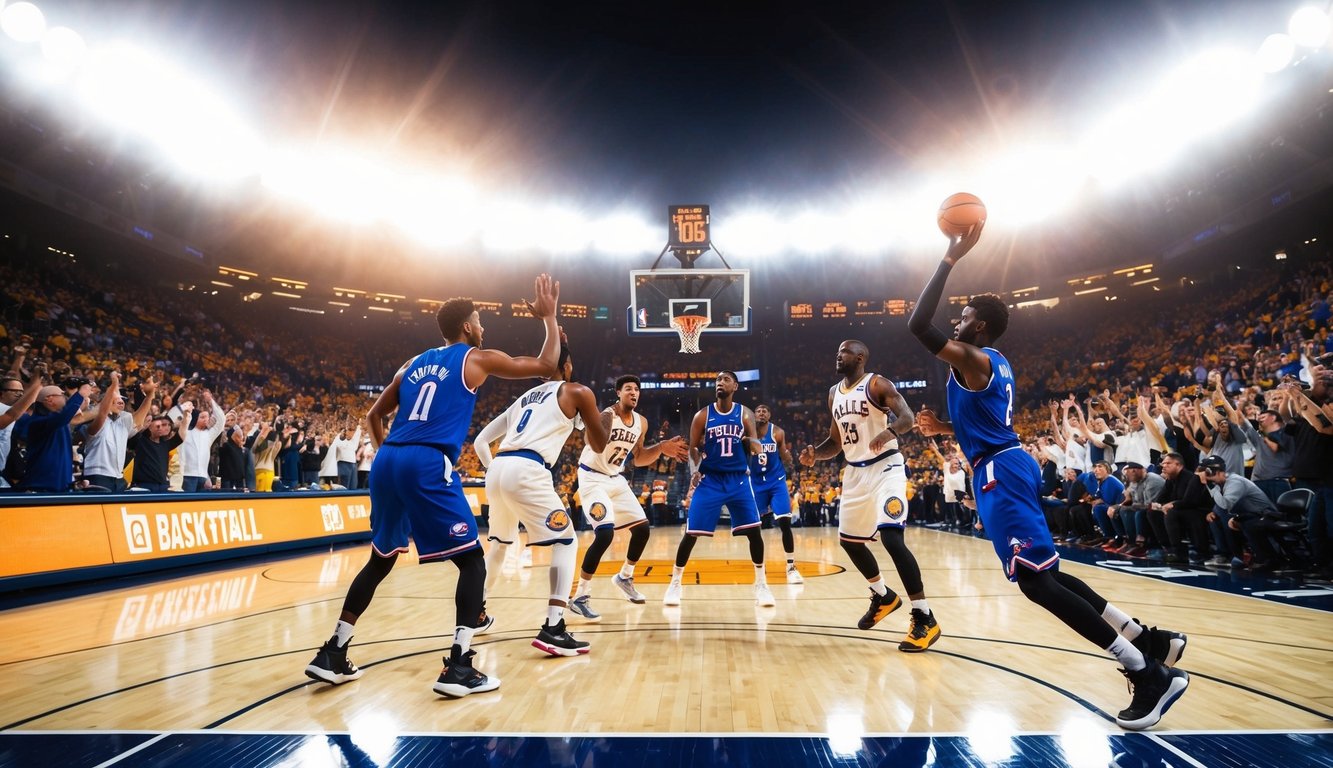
x=1275, y=53
x=812, y=231
x=751, y=233
x=507, y=227
x=864, y=229
x=560, y=230
x=1308, y=27
x=64, y=48
x=23, y=22
x=1027, y=184
x=625, y=234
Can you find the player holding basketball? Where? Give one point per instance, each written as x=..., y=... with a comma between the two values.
x=1006, y=482
x=874, y=488
x=721, y=435
x=520, y=487
x=768, y=473
x=414, y=488
x=608, y=501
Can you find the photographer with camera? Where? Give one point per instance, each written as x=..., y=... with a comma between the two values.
x=1241, y=508
x=50, y=446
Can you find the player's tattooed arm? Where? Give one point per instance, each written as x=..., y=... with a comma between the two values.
x=891, y=400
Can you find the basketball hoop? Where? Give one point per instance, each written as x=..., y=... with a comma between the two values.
x=690, y=327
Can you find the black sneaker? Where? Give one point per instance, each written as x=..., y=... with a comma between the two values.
x=1155, y=689
x=923, y=633
x=558, y=642
x=1161, y=644
x=331, y=664
x=880, y=606
x=484, y=622
x=459, y=678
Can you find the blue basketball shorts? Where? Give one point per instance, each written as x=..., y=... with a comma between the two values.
x=414, y=491
x=1007, y=486
x=773, y=495
x=715, y=490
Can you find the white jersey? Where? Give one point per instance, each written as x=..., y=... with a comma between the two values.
x=859, y=420
x=620, y=443
x=537, y=423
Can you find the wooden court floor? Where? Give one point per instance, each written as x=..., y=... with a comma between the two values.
x=226, y=650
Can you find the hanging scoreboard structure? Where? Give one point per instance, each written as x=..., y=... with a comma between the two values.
x=689, y=232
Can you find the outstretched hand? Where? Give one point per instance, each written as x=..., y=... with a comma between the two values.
x=930, y=424
x=807, y=456
x=959, y=246
x=548, y=297
x=676, y=448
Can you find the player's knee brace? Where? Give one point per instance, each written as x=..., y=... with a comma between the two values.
x=366, y=581
x=903, y=560
x=862, y=559
x=601, y=540
x=638, y=540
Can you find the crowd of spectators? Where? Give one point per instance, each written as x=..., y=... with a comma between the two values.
x=118, y=383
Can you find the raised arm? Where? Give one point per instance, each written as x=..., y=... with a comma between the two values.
x=104, y=407
x=492, y=362
x=970, y=362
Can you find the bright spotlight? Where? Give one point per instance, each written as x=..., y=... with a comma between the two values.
x=1275, y=53
x=1308, y=27
x=63, y=47
x=23, y=22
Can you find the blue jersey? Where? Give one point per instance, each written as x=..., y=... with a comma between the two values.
x=766, y=466
x=434, y=405
x=722, y=448
x=983, y=421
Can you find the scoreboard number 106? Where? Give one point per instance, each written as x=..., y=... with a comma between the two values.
x=689, y=226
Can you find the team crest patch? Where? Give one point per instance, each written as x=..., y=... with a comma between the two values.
x=893, y=507
x=558, y=520
x=458, y=529
x=598, y=511
x=1016, y=546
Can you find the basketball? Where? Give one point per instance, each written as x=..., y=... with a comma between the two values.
x=959, y=213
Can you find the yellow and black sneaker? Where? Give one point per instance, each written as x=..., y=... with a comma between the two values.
x=880, y=606
x=922, y=634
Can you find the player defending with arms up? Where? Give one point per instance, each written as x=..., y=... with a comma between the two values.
x=874, y=488
x=415, y=490
x=520, y=487
x=1007, y=481
x=721, y=436
x=768, y=473
x=607, y=499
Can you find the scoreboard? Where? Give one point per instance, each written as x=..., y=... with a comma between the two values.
x=690, y=227
x=857, y=310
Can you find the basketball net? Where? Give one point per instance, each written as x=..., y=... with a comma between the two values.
x=690, y=328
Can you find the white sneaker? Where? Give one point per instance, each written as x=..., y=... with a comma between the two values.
x=627, y=586
x=794, y=576
x=763, y=596
x=672, y=596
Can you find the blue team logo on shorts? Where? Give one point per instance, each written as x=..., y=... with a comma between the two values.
x=458, y=529
x=558, y=520
x=598, y=511
x=893, y=507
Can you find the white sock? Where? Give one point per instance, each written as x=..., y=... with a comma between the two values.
x=920, y=605
x=878, y=588
x=585, y=587
x=463, y=638
x=627, y=570
x=1128, y=656
x=343, y=631
x=759, y=576
x=1121, y=622
x=554, y=615
x=677, y=572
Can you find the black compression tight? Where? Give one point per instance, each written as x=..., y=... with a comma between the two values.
x=903, y=560
x=363, y=586
x=1046, y=589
